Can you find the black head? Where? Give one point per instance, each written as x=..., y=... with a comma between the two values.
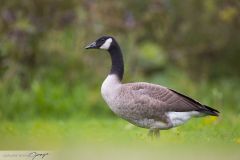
x=104, y=42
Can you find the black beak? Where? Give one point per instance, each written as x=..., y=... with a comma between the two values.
x=91, y=46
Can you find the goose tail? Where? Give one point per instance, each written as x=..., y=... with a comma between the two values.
x=210, y=111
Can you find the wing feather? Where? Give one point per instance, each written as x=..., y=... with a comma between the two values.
x=145, y=100
x=162, y=98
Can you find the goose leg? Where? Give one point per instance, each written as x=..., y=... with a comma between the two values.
x=157, y=133
x=154, y=133
x=150, y=133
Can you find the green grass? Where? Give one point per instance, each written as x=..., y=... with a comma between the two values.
x=52, y=113
x=50, y=134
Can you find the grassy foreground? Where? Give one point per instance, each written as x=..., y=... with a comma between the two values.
x=50, y=134
x=50, y=115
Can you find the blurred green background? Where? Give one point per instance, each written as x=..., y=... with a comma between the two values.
x=49, y=84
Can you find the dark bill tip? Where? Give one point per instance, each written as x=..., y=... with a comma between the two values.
x=90, y=46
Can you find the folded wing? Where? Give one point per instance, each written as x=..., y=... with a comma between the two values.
x=161, y=99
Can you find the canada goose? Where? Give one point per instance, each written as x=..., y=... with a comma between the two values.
x=144, y=104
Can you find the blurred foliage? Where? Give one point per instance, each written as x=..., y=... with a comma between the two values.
x=23, y=25
x=44, y=71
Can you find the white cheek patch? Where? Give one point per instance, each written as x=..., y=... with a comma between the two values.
x=106, y=44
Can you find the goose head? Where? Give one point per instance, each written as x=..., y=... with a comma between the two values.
x=110, y=44
x=104, y=42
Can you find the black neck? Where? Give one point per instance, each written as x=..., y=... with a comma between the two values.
x=117, y=61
